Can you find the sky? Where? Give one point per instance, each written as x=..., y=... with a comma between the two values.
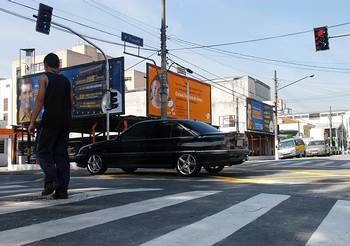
x=208, y=22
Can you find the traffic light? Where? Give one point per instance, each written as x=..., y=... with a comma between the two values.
x=321, y=38
x=43, y=21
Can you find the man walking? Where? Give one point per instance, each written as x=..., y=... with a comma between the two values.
x=56, y=96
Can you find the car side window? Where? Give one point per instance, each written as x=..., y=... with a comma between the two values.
x=179, y=131
x=138, y=131
x=161, y=130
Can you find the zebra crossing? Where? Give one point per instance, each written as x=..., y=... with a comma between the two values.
x=204, y=227
x=300, y=163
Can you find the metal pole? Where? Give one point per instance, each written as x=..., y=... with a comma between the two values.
x=188, y=98
x=330, y=127
x=107, y=70
x=276, y=115
x=342, y=136
x=237, y=117
x=163, y=82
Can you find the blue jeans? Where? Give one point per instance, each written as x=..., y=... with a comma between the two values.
x=53, y=156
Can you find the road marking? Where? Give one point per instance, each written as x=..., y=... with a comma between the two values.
x=29, y=234
x=334, y=229
x=19, y=190
x=38, y=194
x=11, y=207
x=11, y=186
x=216, y=227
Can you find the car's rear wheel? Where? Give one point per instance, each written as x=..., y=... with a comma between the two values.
x=188, y=165
x=129, y=169
x=214, y=169
x=95, y=164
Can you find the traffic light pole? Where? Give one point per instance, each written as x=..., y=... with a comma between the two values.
x=276, y=115
x=107, y=71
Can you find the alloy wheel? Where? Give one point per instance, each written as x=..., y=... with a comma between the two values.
x=187, y=165
x=94, y=164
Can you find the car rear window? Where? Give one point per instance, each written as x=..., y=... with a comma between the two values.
x=316, y=143
x=200, y=127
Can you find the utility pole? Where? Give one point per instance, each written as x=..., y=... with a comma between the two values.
x=330, y=127
x=163, y=71
x=276, y=115
x=342, y=135
x=237, y=112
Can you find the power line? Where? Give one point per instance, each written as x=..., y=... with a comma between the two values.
x=103, y=9
x=73, y=21
x=63, y=30
x=199, y=46
x=216, y=84
x=275, y=61
x=141, y=61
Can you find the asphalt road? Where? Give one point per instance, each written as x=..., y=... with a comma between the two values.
x=288, y=202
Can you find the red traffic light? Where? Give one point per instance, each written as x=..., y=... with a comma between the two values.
x=321, y=38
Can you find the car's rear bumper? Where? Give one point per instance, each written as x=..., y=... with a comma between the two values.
x=221, y=157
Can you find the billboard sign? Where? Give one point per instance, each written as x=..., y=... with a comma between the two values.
x=178, y=88
x=259, y=116
x=88, y=85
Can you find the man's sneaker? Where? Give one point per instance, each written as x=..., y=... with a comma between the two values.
x=60, y=195
x=49, y=189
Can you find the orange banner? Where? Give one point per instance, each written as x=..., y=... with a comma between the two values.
x=179, y=87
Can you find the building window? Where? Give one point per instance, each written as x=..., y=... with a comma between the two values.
x=5, y=117
x=227, y=121
x=8, y=86
x=2, y=146
x=315, y=116
x=5, y=104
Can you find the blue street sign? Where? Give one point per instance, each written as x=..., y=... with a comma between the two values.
x=132, y=39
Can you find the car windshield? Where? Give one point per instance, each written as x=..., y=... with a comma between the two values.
x=200, y=127
x=316, y=143
x=286, y=144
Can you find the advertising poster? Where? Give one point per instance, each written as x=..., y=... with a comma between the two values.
x=259, y=116
x=88, y=85
x=177, y=104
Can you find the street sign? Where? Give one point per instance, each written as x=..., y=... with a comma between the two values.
x=132, y=39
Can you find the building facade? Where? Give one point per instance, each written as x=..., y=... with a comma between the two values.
x=324, y=123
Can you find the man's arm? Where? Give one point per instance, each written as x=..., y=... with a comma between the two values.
x=39, y=101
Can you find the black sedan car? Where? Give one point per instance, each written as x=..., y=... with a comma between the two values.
x=182, y=144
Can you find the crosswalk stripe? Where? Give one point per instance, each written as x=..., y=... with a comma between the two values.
x=23, y=206
x=19, y=190
x=216, y=227
x=29, y=234
x=28, y=193
x=3, y=187
x=334, y=229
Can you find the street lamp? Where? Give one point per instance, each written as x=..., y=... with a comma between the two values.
x=276, y=107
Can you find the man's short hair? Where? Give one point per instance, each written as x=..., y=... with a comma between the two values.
x=52, y=60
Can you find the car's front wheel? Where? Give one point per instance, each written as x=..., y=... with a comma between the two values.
x=95, y=164
x=214, y=169
x=188, y=165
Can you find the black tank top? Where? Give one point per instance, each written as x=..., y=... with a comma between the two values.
x=57, y=104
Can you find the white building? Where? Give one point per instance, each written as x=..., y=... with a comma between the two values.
x=5, y=93
x=339, y=122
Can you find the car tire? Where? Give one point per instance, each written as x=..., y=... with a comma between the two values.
x=187, y=165
x=95, y=164
x=214, y=169
x=129, y=169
